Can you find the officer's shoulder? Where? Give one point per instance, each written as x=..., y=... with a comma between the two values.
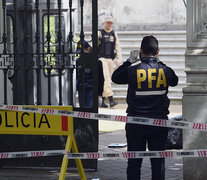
x=136, y=63
x=101, y=31
x=161, y=63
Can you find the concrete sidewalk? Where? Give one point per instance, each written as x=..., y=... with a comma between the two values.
x=116, y=169
x=110, y=132
x=107, y=169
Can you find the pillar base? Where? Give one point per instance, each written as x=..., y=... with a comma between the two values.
x=194, y=110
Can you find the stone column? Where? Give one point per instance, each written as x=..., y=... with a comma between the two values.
x=195, y=94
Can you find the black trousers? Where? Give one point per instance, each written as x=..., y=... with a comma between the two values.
x=138, y=136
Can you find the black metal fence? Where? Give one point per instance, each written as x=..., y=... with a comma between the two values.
x=37, y=58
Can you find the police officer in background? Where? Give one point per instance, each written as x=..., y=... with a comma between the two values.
x=148, y=83
x=109, y=51
x=88, y=81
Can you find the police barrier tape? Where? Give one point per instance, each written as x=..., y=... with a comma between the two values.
x=199, y=153
x=25, y=154
x=140, y=154
x=108, y=117
x=96, y=116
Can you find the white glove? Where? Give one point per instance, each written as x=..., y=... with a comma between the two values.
x=134, y=54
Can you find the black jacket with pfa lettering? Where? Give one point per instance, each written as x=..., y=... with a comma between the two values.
x=148, y=84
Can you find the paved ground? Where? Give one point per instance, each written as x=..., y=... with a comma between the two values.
x=107, y=169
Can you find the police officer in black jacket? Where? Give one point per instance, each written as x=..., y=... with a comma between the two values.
x=148, y=83
x=88, y=81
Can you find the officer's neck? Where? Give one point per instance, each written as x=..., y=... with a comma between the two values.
x=107, y=30
x=148, y=56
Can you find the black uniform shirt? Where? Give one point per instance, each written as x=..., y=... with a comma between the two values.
x=148, y=84
x=88, y=83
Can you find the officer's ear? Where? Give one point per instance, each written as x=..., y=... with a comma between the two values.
x=140, y=54
x=141, y=51
x=157, y=52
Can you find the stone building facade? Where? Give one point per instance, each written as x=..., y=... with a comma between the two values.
x=140, y=15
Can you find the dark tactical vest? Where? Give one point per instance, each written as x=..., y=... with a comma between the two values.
x=107, y=46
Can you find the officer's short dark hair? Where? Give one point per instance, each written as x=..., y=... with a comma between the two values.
x=149, y=45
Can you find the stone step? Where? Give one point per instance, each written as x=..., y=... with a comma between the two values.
x=179, y=54
x=179, y=67
x=180, y=73
x=137, y=42
x=163, y=48
x=173, y=51
x=174, y=64
x=163, y=58
x=123, y=91
x=157, y=34
x=181, y=77
x=138, y=35
x=162, y=55
x=118, y=87
x=172, y=46
x=173, y=60
x=169, y=96
x=179, y=70
x=173, y=99
x=171, y=56
x=126, y=38
x=180, y=85
x=162, y=41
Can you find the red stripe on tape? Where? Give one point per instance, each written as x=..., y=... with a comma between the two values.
x=64, y=123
